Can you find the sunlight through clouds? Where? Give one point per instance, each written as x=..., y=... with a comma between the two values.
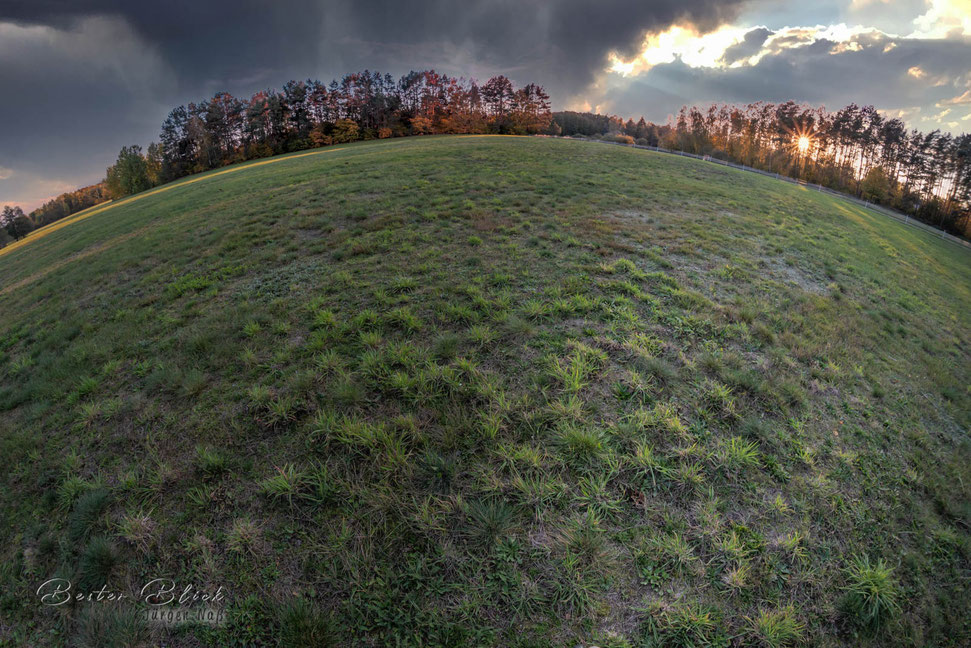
x=917, y=51
x=708, y=50
x=684, y=43
x=694, y=49
x=945, y=18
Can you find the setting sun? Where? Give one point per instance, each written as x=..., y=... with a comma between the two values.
x=802, y=143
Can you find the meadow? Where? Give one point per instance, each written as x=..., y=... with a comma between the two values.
x=464, y=391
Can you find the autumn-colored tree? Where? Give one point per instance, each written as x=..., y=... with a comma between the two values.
x=497, y=94
x=68, y=203
x=345, y=130
x=530, y=110
x=421, y=125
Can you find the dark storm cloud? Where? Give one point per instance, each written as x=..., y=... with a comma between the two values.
x=72, y=98
x=749, y=46
x=223, y=40
x=71, y=86
x=892, y=74
x=90, y=77
x=201, y=40
x=93, y=75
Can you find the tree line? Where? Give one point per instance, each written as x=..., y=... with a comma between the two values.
x=15, y=224
x=855, y=150
x=610, y=127
x=367, y=105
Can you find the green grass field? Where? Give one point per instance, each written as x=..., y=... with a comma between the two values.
x=489, y=391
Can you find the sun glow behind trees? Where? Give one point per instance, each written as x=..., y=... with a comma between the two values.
x=855, y=150
x=925, y=174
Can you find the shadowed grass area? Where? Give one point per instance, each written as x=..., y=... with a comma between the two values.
x=490, y=391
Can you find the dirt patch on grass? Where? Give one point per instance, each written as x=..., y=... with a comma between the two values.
x=793, y=275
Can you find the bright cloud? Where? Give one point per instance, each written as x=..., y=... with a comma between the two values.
x=685, y=43
x=964, y=98
x=692, y=48
x=945, y=18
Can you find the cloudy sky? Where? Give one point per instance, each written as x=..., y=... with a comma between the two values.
x=82, y=78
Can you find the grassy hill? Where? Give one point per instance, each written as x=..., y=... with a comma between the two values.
x=489, y=391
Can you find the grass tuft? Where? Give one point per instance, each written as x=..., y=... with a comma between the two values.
x=489, y=521
x=872, y=596
x=87, y=513
x=778, y=628
x=98, y=561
